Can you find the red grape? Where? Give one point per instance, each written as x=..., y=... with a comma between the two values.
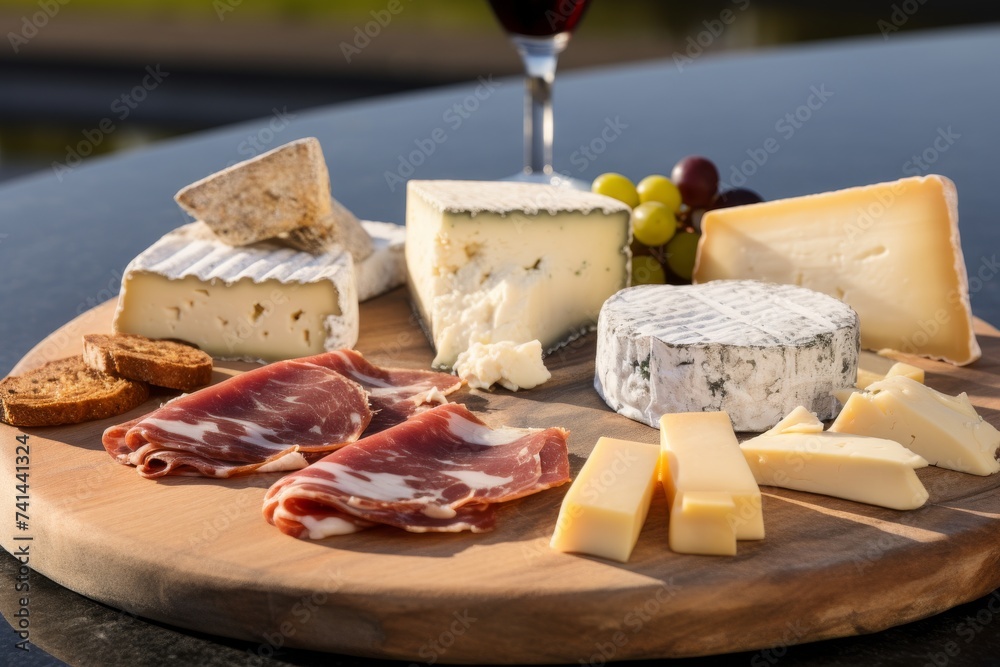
x=736, y=197
x=697, y=179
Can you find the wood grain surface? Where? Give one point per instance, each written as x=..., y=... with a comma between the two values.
x=196, y=553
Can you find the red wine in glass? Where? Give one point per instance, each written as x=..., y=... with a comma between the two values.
x=540, y=30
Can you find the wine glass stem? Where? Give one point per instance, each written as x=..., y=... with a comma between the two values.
x=538, y=125
x=540, y=56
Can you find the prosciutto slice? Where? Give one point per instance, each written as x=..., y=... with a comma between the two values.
x=271, y=418
x=394, y=394
x=442, y=470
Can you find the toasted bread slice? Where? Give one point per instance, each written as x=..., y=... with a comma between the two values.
x=67, y=391
x=160, y=362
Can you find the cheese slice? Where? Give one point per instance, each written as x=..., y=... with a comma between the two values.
x=891, y=251
x=867, y=470
x=874, y=367
x=258, y=302
x=283, y=192
x=798, y=420
x=912, y=372
x=606, y=506
x=713, y=497
x=750, y=349
x=513, y=366
x=504, y=261
x=945, y=430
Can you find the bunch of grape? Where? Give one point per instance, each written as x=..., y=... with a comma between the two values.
x=666, y=216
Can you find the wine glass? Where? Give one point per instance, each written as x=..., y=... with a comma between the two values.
x=540, y=30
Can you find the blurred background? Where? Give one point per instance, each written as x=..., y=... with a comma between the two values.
x=67, y=66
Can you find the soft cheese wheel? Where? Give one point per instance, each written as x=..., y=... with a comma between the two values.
x=751, y=349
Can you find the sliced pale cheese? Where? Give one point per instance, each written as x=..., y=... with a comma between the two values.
x=713, y=497
x=513, y=366
x=912, y=372
x=798, y=420
x=258, y=302
x=874, y=367
x=891, y=251
x=945, y=430
x=605, y=508
x=504, y=261
x=875, y=471
x=283, y=192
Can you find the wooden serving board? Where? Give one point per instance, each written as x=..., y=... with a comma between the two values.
x=196, y=553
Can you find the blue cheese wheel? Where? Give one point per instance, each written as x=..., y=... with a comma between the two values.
x=754, y=350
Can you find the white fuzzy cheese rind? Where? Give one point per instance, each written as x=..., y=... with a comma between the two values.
x=753, y=350
x=501, y=261
x=385, y=268
x=260, y=302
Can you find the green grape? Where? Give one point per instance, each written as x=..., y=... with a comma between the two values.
x=681, y=252
x=662, y=189
x=653, y=224
x=647, y=271
x=617, y=187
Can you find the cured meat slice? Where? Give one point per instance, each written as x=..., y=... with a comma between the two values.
x=277, y=417
x=394, y=394
x=442, y=470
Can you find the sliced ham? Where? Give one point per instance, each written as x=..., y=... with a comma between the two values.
x=394, y=394
x=276, y=417
x=279, y=417
x=442, y=470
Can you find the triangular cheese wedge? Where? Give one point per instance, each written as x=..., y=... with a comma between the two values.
x=282, y=193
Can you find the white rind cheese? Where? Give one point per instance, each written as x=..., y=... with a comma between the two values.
x=502, y=261
x=753, y=350
x=258, y=302
x=385, y=268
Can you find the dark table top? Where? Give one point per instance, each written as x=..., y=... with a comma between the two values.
x=880, y=109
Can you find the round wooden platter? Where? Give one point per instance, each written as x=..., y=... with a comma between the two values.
x=196, y=552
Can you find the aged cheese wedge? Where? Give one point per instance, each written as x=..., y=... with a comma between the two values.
x=261, y=301
x=283, y=192
x=891, y=251
x=605, y=508
x=945, y=430
x=503, y=261
x=867, y=470
x=713, y=497
x=753, y=350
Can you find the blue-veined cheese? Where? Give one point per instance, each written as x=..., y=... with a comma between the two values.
x=750, y=349
x=260, y=301
x=499, y=261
